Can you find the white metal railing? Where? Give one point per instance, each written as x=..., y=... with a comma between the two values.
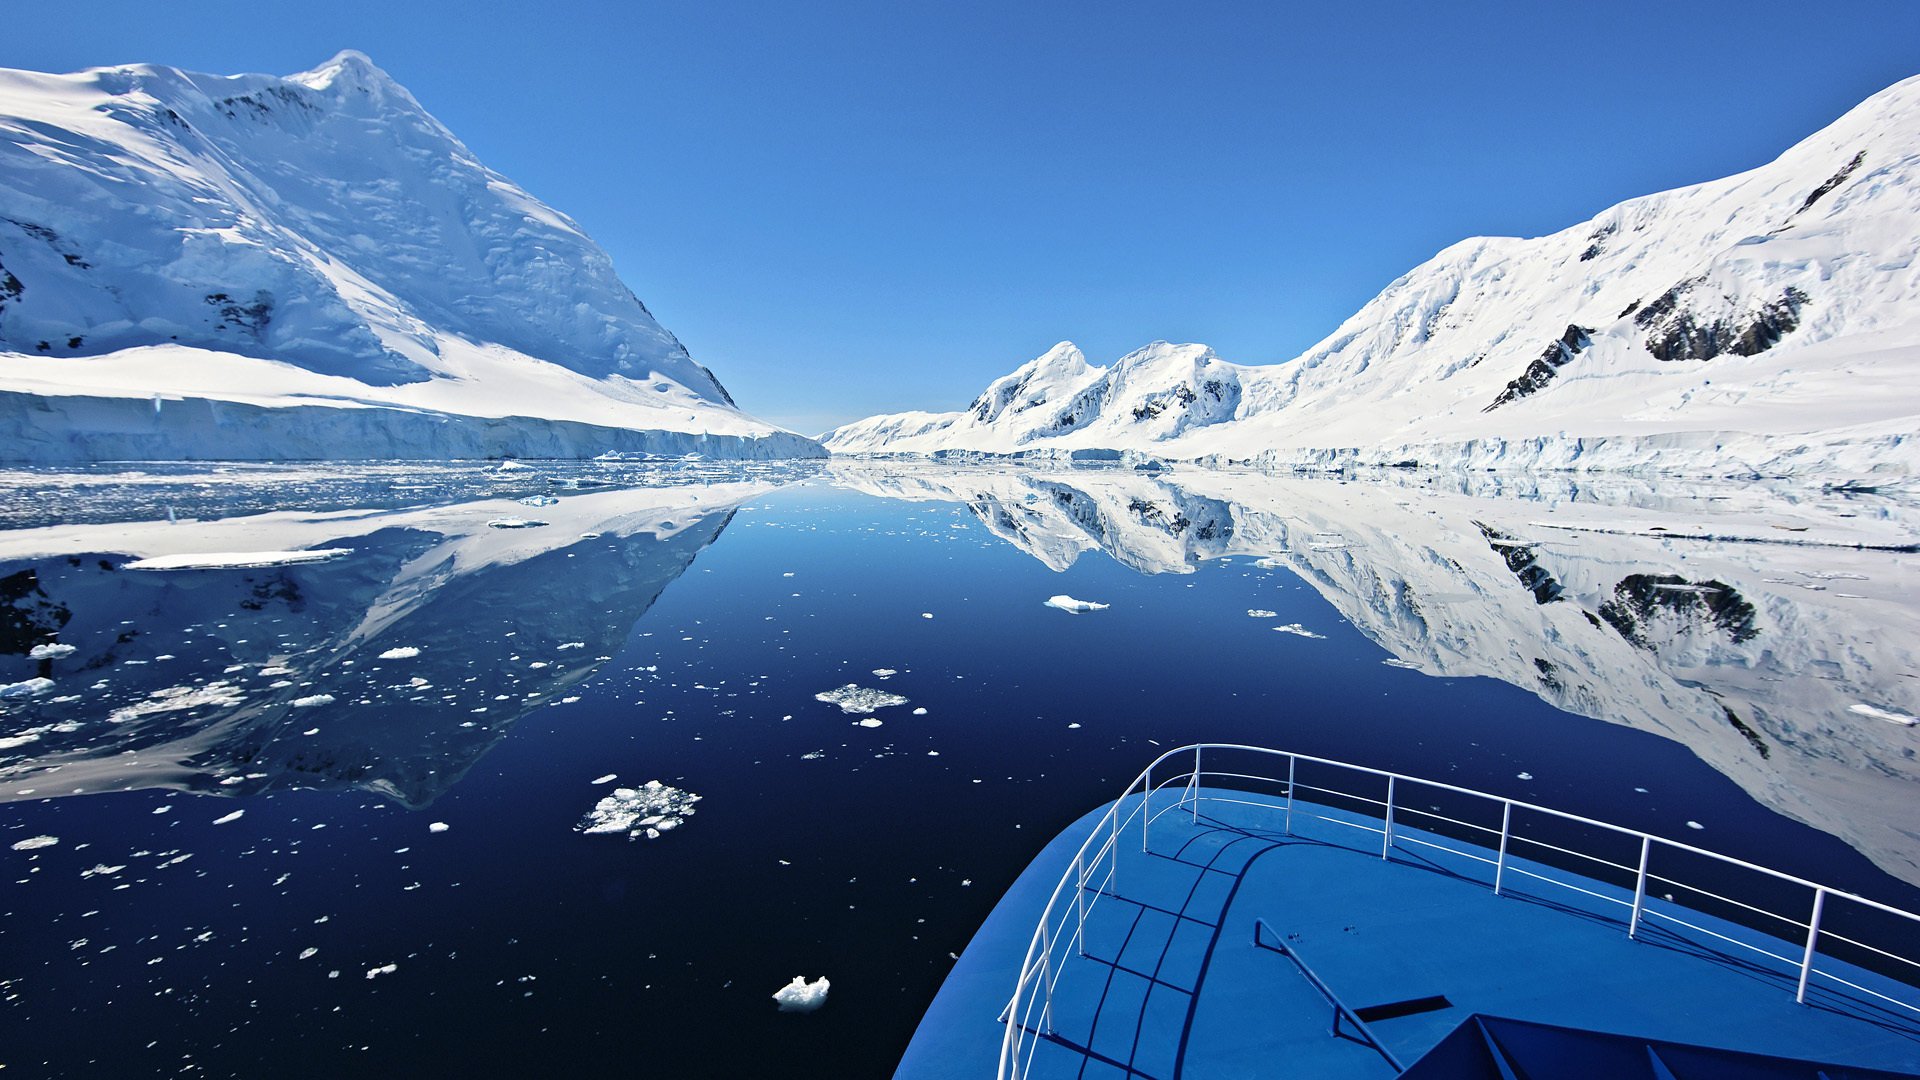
x=1028, y=1017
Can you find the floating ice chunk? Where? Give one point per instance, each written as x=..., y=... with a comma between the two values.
x=884, y=673
x=856, y=699
x=102, y=870
x=920, y=712
x=607, y=779
x=235, y=560
x=510, y=465
x=648, y=810
x=174, y=698
x=1695, y=825
x=1883, y=714
x=438, y=827
x=1394, y=661
x=515, y=523
x=1297, y=630
x=22, y=739
x=383, y=969
x=538, y=500
x=52, y=651
x=308, y=953
x=1262, y=613
x=926, y=614
x=404, y=652
x=35, y=843
x=1069, y=604
x=29, y=688
x=869, y=722
x=802, y=996
x=1526, y=776
x=312, y=700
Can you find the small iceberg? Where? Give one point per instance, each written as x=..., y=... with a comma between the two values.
x=404, y=652
x=648, y=810
x=28, y=688
x=538, y=500
x=802, y=996
x=1297, y=630
x=52, y=652
x=855, y=699
x=1262, y=613
x=235, y=560
x=35, y=843
x=1069, y=604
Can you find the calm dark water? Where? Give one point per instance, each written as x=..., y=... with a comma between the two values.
x=679, y=631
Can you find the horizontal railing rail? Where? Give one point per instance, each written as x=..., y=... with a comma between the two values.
x=1340, y=1009
x=1094, y=869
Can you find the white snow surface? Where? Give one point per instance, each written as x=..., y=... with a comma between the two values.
x=1785, y=299
x=235, y=560
x=801, y=995
x=188, y=258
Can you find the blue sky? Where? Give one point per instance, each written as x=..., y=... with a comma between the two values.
x=846, y=207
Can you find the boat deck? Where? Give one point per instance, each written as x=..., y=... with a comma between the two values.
x=1173, y=984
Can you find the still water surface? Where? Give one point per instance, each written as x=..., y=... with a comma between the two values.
x=1569, y=646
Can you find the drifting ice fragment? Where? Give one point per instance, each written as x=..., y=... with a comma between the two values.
x=235, y=560
x=1394, y=661
x=538, y=500
x=383, y=969
x=1883, y=714
x=29, y=688
x=438, y=827
x=1069, y=604
x=35, y=843
x=801, y=995
x=884, y=673
x=648, y=810
x=230, y=818
x=1262, y=613
x=869, y=722
x=607, y=779
x=1297, y=630
x=855, y=699
x=312, y=700
x=51, y=652
x=404, y=652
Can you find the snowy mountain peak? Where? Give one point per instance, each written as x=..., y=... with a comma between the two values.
x=323, y=222
x=1768, y=321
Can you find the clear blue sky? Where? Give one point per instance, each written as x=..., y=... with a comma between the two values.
x=847, y=207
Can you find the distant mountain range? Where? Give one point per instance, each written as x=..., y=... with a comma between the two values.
x=310, y=266
x=1765, y=323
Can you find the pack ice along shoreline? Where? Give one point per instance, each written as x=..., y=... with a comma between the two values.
x=1766, y=324
x=312, y=267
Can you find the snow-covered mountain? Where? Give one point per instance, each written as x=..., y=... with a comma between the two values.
x=310, y=266
x=1781, y=655
x=1768, y=322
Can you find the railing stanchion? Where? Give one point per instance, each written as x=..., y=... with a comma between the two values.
x=1291, y=762
x=1080, y=904
x=1114, y=844
x=1046, y=974
x=1195, y=786
x=1506, y=830
x=1813, y=941
x=1386, y=832
x=1640, y=887
x=1146, y=807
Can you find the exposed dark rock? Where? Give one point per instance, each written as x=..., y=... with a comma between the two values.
x=1678, y=334
x=27, y=616
x=1541, y=371
x=1642, y=598
x=1833, y=181
x=252, y=318
x=1524, y=563
x=1752, y=736
x=1597, y=243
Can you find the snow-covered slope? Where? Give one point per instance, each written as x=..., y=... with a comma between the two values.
x=1766, y=322
x=329, y=265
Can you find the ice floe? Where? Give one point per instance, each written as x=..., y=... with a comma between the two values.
x=26, y=689
x=648, y=810
x=869, y=722
x=538, y=500
x=855, y=699
x=1883, y=714
x=607, y=779
x=438, y=827
x=230, y=818
x=235, y=560
x=35, y=843
x=177, y=698
x=383, y=969
x=312, y=700
x=1297, y=630
x=1069, y=604
x=52, y=651
x=404, y=652
x=1394, y=661
x=801, y=995
x=1262, y=613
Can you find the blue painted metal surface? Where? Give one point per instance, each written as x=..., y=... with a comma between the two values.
x=1170, y=984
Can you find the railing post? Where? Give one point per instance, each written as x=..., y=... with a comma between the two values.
x=1813, y=939
x=1386, y=833
x=1291, y=762
x=1113, y=846
x=1046, y=973
x=1146, y=807
x=1195, y=786
x=1506, y=830
x=1640, y=887
x=1080, y=904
